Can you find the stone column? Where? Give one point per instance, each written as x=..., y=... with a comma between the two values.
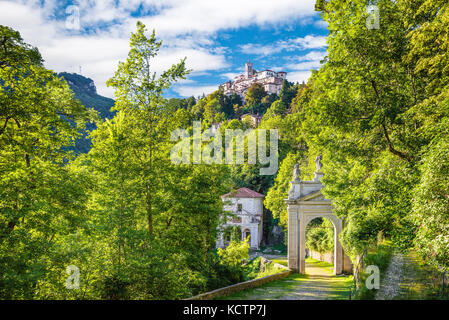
x=293, y=241
x=338, y=251
x=254, y=238
x=302, y=243
x=220, y=241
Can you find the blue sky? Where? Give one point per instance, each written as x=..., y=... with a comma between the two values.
x=216, y=36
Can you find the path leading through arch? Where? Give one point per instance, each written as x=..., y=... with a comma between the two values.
x=319, y=283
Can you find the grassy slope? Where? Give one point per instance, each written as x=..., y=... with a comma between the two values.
x=379, y=256
x=421, y=281
x=418, y=281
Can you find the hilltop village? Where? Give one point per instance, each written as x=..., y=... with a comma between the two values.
x=250, y=97
x=270, y=80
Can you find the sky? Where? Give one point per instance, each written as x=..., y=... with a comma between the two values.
x=216, y=36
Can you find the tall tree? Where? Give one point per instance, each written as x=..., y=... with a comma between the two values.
x=41, y=199
x=370, y=111
x=254, y=95
x=139, y=94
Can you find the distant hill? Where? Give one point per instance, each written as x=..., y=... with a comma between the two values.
x=85, y=90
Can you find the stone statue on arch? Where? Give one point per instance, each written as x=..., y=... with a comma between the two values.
x=318, y=163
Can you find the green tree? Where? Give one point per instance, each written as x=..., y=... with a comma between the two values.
x=139, y=94
x=288, y=92
x=147, y=206
x=42, y=199
x=254, y=95
x=235, y=253
x=277, y=108
x=431, y=206
x=372, y=109
x=320, y=236
x=275, y=199
x=229, y=105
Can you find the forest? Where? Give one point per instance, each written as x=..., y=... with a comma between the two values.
x=138, y=226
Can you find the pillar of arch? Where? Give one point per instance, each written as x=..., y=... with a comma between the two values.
x=305, y=203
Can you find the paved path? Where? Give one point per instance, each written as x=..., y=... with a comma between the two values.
x=407, y=278
x=318, y=284
x=390, y=285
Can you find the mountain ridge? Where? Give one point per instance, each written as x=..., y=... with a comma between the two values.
x=85, y=90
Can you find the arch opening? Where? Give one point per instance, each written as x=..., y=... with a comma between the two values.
x=247, y=235
x=320, y=243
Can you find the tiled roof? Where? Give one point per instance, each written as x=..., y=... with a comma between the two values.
x=243, y=193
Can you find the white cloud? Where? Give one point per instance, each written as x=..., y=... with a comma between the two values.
x=99, y=53
x=310, y=42
x=230, y=75
x=302, y=43
x=299, y=76
x=189, y=27
x=312, y=55
x=301, y=66
x=311, y=60
x=188, y=91
x=321, y=24
x=202, y=16
x=262, y=50
x=305, y=65
x=28, y=20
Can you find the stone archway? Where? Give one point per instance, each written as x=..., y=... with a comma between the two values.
x=246, y=233
x=306, y=202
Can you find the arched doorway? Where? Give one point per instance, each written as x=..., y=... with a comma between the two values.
x=320, y=241
x=306, y=202
x=247, y=234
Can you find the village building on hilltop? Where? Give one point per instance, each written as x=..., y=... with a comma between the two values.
x=255, y=118
x=246, y=207
x=271, y=81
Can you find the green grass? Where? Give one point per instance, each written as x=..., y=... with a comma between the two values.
x=299, y=286
x=283, y=262
x=421, y=281
x=379, y=256
x=329, y=267
x=322, y=264
x=287, y=284
x=252, y=269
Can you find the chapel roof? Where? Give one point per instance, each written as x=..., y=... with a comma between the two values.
x=243, y=193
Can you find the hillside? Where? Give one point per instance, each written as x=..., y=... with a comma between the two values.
x=85, y=90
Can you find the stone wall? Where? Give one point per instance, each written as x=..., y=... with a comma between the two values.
x=226, y=291
x=327, y=257
x=347, y=265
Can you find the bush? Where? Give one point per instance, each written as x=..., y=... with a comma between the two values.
x=380, y=257
x=235, y=253
x=255, y=270
x=320, y=236
x=222, y=275
x=431, y=206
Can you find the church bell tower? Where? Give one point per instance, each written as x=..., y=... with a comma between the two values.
x=248, y=69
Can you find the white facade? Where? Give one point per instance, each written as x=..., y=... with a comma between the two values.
x=255, y=119
x=271, y=81
x=246, y=213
